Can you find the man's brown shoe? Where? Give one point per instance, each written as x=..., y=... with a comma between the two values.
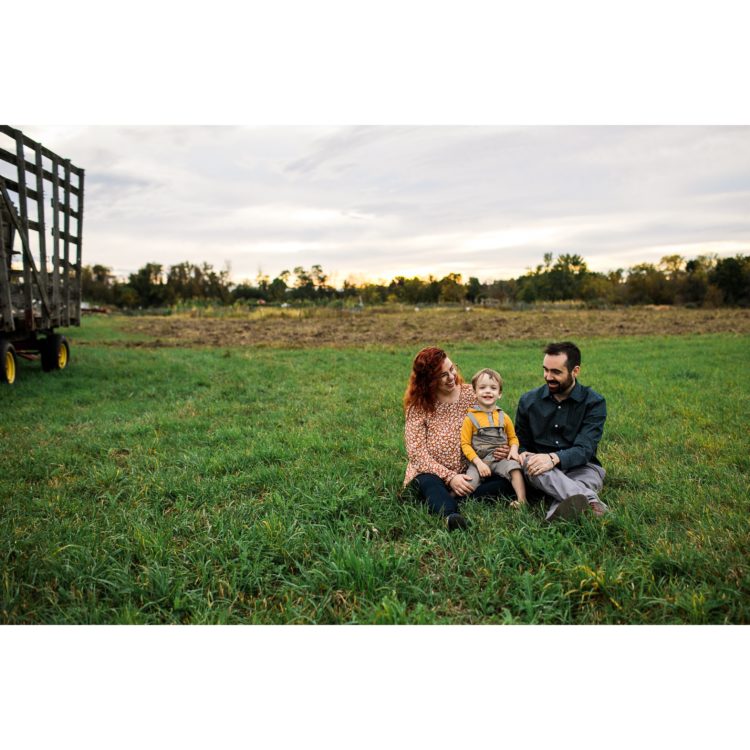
x=568, y=508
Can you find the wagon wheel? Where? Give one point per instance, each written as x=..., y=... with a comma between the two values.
x=55, y=353
x=7, y=362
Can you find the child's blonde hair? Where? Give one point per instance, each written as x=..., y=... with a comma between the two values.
x=492, y=374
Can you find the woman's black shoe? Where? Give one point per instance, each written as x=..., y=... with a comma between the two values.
x=456, y=521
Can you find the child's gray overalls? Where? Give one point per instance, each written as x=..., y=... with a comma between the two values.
x=484, y=441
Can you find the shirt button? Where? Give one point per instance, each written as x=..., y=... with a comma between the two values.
x=557, y=442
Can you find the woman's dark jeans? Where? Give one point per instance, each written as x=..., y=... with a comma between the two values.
x=433, y=490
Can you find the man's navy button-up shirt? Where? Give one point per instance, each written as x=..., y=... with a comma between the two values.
x=571, y=428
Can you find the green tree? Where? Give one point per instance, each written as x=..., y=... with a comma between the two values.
x=278, y=287
x=148, y=284
x=595, y=288
x=697, y=286
x=647, y=285
x=502, y=290
x=304, y=284
x=732, y=277
x=125, y=296
x=451, y=288
x=262, y=282
x=563, y=280
x=473, y=289
x=97, y=284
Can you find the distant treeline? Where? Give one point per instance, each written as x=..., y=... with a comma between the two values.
x=703, y=281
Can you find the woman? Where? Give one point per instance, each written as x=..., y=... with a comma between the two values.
x=436, y=402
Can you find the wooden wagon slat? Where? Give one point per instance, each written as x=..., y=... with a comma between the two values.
x=34, y=195
x=29, y=267
x=40, y=226
x=69, y=211
x=73, y=239
x=13, y=185
x=46, y=322
x=79, y=247
x=18, y=299
x=13, y=133
x=5, y=301
x=66, y=239
x=15, y=161
x=56, y=237
x=23, y=228
x=66, y=267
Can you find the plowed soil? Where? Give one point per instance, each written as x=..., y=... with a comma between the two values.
x=305, y=328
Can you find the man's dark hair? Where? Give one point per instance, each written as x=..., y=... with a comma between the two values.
x=569, y=349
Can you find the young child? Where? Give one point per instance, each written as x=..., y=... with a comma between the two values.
x=485, y=428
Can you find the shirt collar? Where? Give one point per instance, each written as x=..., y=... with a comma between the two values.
x=577, y=394
x=477, y=407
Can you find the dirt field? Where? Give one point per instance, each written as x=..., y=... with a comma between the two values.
x=303, y=328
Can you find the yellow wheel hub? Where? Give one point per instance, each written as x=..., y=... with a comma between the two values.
x=62, y=356
x=10, y=367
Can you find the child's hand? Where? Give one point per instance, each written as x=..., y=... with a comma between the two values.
x=482, y=468
x=501, y=452
x=513, y=455
x=516, y=504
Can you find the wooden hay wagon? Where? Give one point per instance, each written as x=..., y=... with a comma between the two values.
x=40, y=252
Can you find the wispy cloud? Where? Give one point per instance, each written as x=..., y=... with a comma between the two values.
x=384, y=201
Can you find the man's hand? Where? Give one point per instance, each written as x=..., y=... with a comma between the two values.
x=501, y=452
x=537, y=463
x=482, y=468
x=461, y=484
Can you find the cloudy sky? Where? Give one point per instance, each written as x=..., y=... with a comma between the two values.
x=376, y=202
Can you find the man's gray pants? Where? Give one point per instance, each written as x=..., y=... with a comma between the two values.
x=586, y=480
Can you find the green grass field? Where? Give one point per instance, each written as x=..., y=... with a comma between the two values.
x=261, y=485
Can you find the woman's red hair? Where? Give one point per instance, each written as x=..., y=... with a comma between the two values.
x=421, y=391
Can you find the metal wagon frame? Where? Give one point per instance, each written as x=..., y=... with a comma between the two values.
x=40, y=286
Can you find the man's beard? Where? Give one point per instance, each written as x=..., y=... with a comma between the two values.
x=556, y=387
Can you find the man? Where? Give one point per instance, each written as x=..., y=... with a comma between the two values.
x=559, y=426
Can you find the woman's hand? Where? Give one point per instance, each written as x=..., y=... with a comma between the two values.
x=501, y=452
x=461, y=484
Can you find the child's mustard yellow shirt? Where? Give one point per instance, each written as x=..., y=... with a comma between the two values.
x=483, y=417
